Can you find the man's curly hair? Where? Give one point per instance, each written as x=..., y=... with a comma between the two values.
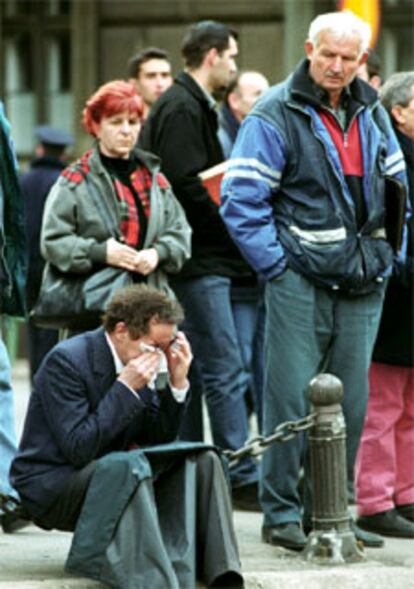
x=136, y=305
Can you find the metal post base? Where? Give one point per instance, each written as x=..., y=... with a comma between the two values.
x=332, y=547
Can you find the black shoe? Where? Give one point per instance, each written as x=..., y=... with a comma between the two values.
x=406, y=511
x=387, y=523
x=245, y=497
x=367, y=538
x=13, y=515
x=289, y=535
x=11, y=523
x=230, y=579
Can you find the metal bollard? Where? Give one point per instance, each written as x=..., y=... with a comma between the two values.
x=332, y=541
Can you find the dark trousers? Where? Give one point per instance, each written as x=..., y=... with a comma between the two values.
x=65, y=512
x=176, y=527
x=309, y=330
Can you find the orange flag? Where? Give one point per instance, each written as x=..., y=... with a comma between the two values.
x=368, y=10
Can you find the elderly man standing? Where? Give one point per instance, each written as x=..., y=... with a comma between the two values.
x=303, y=199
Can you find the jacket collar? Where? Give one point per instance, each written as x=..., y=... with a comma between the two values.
x=304, y=89
x=149, y=160
x=102, y=359
x=184, y=79
x=229, y=121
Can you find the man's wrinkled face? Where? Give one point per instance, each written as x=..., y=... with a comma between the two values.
x=334, y=61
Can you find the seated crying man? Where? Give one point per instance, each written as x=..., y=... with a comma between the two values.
x=98, y=455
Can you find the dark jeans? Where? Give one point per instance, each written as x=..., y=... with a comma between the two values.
x=309, y=330
x=211, y=328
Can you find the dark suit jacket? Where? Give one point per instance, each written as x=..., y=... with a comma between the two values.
x=79, y=412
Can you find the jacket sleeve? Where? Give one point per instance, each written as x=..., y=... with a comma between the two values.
x=174, y=243
x=249, y=186
x=82, y=434
x=60, y=241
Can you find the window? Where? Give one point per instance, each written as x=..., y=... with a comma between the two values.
x=36, y=84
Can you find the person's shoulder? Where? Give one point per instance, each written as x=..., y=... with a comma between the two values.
x=39, y=173
x=28, y=178
x=75, y=173
x=152, y=162
x=276, y=96
x=72, y=345
x=176, y=98
x=77, y=349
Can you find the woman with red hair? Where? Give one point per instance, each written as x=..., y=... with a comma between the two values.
x=151, y=236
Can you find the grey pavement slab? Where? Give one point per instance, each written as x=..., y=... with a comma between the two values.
x=33, y=558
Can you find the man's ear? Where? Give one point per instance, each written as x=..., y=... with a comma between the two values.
x=211, y=56
x=120, y=329
x=375, y=81
x=153, y=321
x=397, y=114
x=363, y=58
x=232, y=99
x=308, y=48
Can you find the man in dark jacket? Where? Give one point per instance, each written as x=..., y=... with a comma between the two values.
x=384, y=471
x=35, y=184
x=182, y=130
x=101, y=415
x=12, y=277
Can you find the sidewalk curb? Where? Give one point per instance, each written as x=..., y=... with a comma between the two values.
x=344, y=578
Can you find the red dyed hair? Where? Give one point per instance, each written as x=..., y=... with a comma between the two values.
x=110, y=99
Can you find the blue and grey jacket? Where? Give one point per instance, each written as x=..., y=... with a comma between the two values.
x=285, y=199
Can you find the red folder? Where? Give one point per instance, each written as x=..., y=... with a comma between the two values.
x=211, y=179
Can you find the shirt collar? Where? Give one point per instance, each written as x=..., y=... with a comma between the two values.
x=211, y=102
x=119, y=365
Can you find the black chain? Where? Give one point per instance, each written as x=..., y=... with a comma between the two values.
x=282, y=433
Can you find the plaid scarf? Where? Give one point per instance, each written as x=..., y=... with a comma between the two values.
x=134, y=199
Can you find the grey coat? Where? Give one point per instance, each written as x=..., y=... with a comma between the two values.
x=74, y=235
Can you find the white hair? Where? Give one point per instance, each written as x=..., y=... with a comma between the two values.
x=344, y=24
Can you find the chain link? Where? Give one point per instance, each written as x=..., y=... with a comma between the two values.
x=282, y=433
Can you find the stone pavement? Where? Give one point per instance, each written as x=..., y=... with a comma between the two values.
x=33, y=558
